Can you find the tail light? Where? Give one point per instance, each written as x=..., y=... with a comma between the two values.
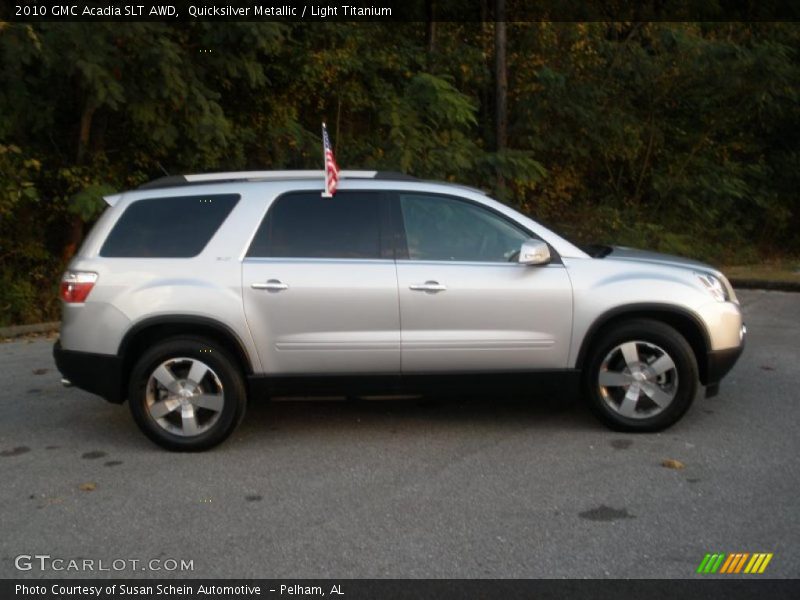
x=76, y=285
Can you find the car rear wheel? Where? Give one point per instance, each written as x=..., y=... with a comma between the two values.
x=641, y=375
x=187, y=394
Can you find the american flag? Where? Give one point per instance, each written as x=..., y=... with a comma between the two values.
x=331, y=170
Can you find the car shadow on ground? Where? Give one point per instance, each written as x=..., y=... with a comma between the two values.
x=71, y=418
x=300, y=417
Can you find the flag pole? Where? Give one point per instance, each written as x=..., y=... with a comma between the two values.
x=325, y=192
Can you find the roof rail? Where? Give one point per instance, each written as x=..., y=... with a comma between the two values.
x=467, y=188
x=181, y=180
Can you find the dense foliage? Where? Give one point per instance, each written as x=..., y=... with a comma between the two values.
x=680, y=137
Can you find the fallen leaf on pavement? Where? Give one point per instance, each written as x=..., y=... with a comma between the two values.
x=87, y=487
x=671, y=463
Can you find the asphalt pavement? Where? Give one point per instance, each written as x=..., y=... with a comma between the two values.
x=488, y=487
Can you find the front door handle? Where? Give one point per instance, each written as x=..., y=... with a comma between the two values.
x=274, y=285
x=428, y=286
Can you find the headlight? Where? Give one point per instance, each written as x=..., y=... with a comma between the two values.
x=713, y=286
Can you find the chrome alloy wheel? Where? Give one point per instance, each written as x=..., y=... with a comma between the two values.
x=638, y=380
x=184, y=396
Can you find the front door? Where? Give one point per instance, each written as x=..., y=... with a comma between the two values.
x=319, y=296
x=466, y=304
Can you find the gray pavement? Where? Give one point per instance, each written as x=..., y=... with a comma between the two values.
x=493, y=487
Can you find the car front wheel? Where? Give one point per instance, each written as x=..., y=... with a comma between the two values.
x=187, y=394
x=641, y=375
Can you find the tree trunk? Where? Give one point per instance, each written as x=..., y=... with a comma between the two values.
x=72, y=239
x=85, y=130
x=487, y=91
x=501, y=87
x=74, y=233
x=431, y=27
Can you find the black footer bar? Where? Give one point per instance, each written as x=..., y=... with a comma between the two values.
x=389, y=589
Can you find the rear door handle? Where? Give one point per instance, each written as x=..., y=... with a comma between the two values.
x=274, y=285
x=428, y=286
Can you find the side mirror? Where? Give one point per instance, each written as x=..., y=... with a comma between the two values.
x=534, y=252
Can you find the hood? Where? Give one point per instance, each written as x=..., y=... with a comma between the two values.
x=632, y=254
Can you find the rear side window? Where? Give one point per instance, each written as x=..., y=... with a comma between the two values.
x=173, y=227
x=305, y=225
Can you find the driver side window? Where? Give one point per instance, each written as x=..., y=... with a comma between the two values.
x=442, y=228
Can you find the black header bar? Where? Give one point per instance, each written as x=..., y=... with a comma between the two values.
x=400, y=10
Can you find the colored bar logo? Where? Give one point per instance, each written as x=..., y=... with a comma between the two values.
x=735, y=562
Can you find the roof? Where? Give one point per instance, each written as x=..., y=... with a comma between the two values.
x=199, y=178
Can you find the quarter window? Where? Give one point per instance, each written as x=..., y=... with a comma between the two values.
x=171, y=227
x=442, y=228
x=305, y=225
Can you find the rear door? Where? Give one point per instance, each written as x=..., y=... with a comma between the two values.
x=320, y=286
x=466, y=304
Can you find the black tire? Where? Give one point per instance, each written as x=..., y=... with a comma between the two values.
x=650, y=332
x=223, y=367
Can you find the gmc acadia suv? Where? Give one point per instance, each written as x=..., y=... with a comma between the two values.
x=194, y=293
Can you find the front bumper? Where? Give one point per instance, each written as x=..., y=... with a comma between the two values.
x=99, y=374
x=720, y=362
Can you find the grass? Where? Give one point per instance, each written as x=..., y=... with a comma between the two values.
x=772, y=271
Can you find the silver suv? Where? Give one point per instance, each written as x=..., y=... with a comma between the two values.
x=194, y=293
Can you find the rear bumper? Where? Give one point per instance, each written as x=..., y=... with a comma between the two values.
x=99, y=374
